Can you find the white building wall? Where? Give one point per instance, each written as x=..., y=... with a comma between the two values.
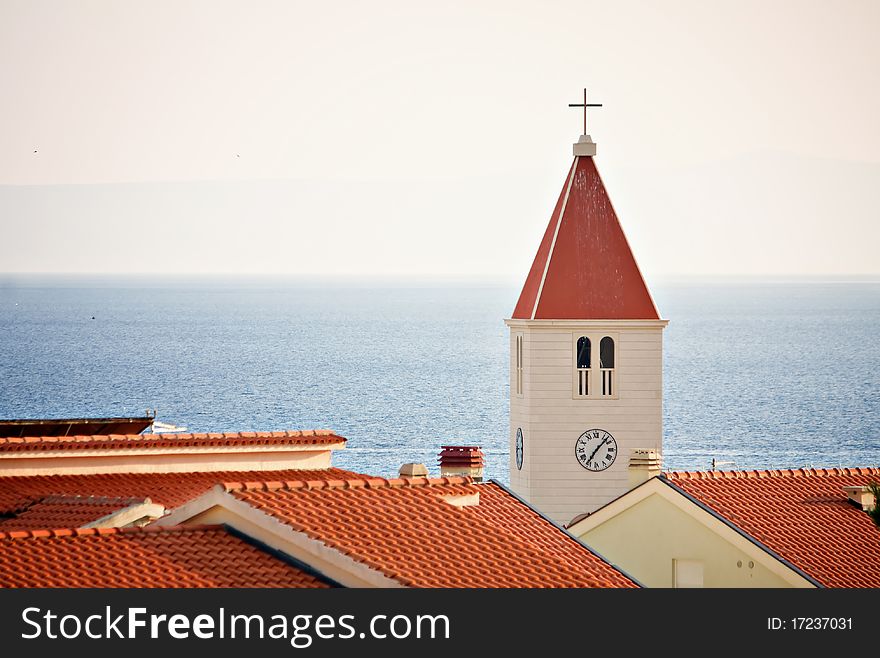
x=552, y=417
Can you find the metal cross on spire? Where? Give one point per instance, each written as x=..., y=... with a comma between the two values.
x=585, y=105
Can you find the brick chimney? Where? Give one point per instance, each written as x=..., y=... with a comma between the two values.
x=462, y=460
x=643, y=465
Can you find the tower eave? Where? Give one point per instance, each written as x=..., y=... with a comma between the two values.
x=609, y=323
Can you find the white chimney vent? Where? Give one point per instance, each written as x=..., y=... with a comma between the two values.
x=413, y=470
x=861, y=496
x=643, y=465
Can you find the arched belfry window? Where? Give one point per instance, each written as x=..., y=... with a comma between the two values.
x=606, y=365
x=594, y=349
x=584, y=362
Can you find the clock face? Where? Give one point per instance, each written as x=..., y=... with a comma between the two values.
x=595, y=450
x=519, y=448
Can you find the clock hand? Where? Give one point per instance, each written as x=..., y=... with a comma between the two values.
x=604, y=441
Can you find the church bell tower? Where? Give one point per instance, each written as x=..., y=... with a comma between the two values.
x=586, y=360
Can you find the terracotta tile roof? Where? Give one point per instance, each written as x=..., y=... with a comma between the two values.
x=404, y=529
x=584, y=267
x=803, y=515
x=66, y=512
x=169, y=489
x=143, y=441
x=143, y=557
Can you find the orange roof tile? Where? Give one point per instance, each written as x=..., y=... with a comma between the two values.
x=66, y=512
x=140, y=441
x=17, y=492
x=404, y=529
x=143, y=557
x=802, y=515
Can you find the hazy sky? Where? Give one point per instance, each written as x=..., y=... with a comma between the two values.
x=418, y=139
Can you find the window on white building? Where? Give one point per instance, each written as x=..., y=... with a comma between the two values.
x=589, y=350
x=583, y=363
x=606, y=365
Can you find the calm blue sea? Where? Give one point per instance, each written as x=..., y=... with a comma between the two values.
x=765, y=374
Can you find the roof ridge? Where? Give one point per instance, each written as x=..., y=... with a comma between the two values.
x=195, y=441
x=85, y=532
x=125, y=474
x=249, y=434
x=350, y=483
x=91, y=500
x=773, y=473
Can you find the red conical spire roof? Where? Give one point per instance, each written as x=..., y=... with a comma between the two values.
x=584, y=269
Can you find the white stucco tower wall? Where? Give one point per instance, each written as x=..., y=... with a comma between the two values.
x=552, y=417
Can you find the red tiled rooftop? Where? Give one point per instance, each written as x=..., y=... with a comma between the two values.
x=405, y=530
x=143, y=441
x=168, y=489
x=149, y=557
x=66, y=512
x=803, y=515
